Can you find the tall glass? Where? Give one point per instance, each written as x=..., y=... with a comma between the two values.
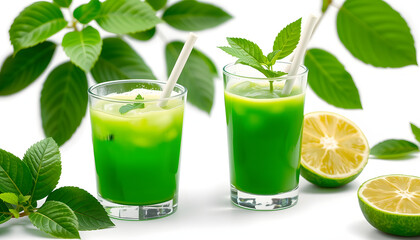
x=264, y=135
x=136, y=151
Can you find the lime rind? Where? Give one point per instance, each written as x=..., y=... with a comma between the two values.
x=324, y=181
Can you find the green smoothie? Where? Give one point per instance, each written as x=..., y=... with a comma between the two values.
x=264, y=136
x=137, y=153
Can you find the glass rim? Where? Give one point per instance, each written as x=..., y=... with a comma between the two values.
x=113, y=82
x=281, y=78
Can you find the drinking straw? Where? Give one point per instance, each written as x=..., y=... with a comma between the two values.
x=179, y=65
x=300, y=52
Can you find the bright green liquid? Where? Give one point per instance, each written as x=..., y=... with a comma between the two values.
x=264, y=135
x=137, y=154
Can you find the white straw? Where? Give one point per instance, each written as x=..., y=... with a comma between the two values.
x=179, y=65
x=300, y=52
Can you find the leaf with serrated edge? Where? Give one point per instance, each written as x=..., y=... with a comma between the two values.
x=4, y=213
x=119, y=61
x=194, y=16
x=87, y=12
x=416, y=131
x=36, y=24
x=57, y=219
x=25, y=67
x=248, y=49
x=83, y=48
x=197, y=77
x=43, y=161
x=63, y=102
x=287, y=40
x=330, y=80
x=14, y=174
x=126, y=16
x=63, y=3
x=393, y=148
x=11, y=198
x=90, y=213
x=376, y=34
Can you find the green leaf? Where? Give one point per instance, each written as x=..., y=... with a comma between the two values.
x=194, y=16
x=90, y=213
x=83, y=48
x=63, y=102
x=36, y=24
x=126, y=16
x=43, y=161
x=23, y=199
x=25, y=67
x=119, y=61
x=143, y=36
x=14, y=212
x=376, y=34
x=57, y=219
x=325, y=5
x=196, y=76
x=247, y=49
x=63, y=3
x=330, y=80
x=157, y=4
x=4, y=213
x=14, y=174
x=393, y=148
x=128, y=107
x=87, y=12
x=210, y=63
x=286, y=41
x=11, y=198
x=416, y=131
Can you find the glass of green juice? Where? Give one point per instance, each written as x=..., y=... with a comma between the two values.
x=137, y=151
x=264, y=125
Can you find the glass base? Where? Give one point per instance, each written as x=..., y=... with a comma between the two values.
x=141, y=212
x=264, y=202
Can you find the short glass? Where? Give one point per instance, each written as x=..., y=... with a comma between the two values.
x=137, y=152
x=264, y=135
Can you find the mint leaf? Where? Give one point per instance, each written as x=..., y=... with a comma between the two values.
x=43, y=161
x=126, y=16
x=14, y=174
x=325, y=5
x=128, y=107
x=194, y=16
x=24, y=199
x=11, y=198
x=36, y=24
x=20, y=70
x=87, y=12
x=14, y=212
x=197, y=75
x=63, y=102
x=393, y=148
x=83, y=48
x=89, y=212
x=330, y=80
x=376, y=34
x=157, y=4
x=57, y=219
x=119, y=61
x=248, y=49
x=4, y=213
x=416, y=131
x=63, y=3
x=143, y=36
x=286, y=41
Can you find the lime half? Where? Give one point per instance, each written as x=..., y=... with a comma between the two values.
x=392, y=204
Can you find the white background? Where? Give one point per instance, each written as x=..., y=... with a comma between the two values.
x=390, y=99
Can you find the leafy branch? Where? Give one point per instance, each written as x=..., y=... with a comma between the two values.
x=64, y=96
x=66, y=211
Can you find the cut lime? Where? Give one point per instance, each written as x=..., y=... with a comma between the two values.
x=392, y=204
x=334, y=149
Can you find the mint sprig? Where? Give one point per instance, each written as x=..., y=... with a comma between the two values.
x=66, y=211
x=128, y=107
x=249, y=53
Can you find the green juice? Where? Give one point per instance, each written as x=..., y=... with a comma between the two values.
x=137, y=153
x=264, y=136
